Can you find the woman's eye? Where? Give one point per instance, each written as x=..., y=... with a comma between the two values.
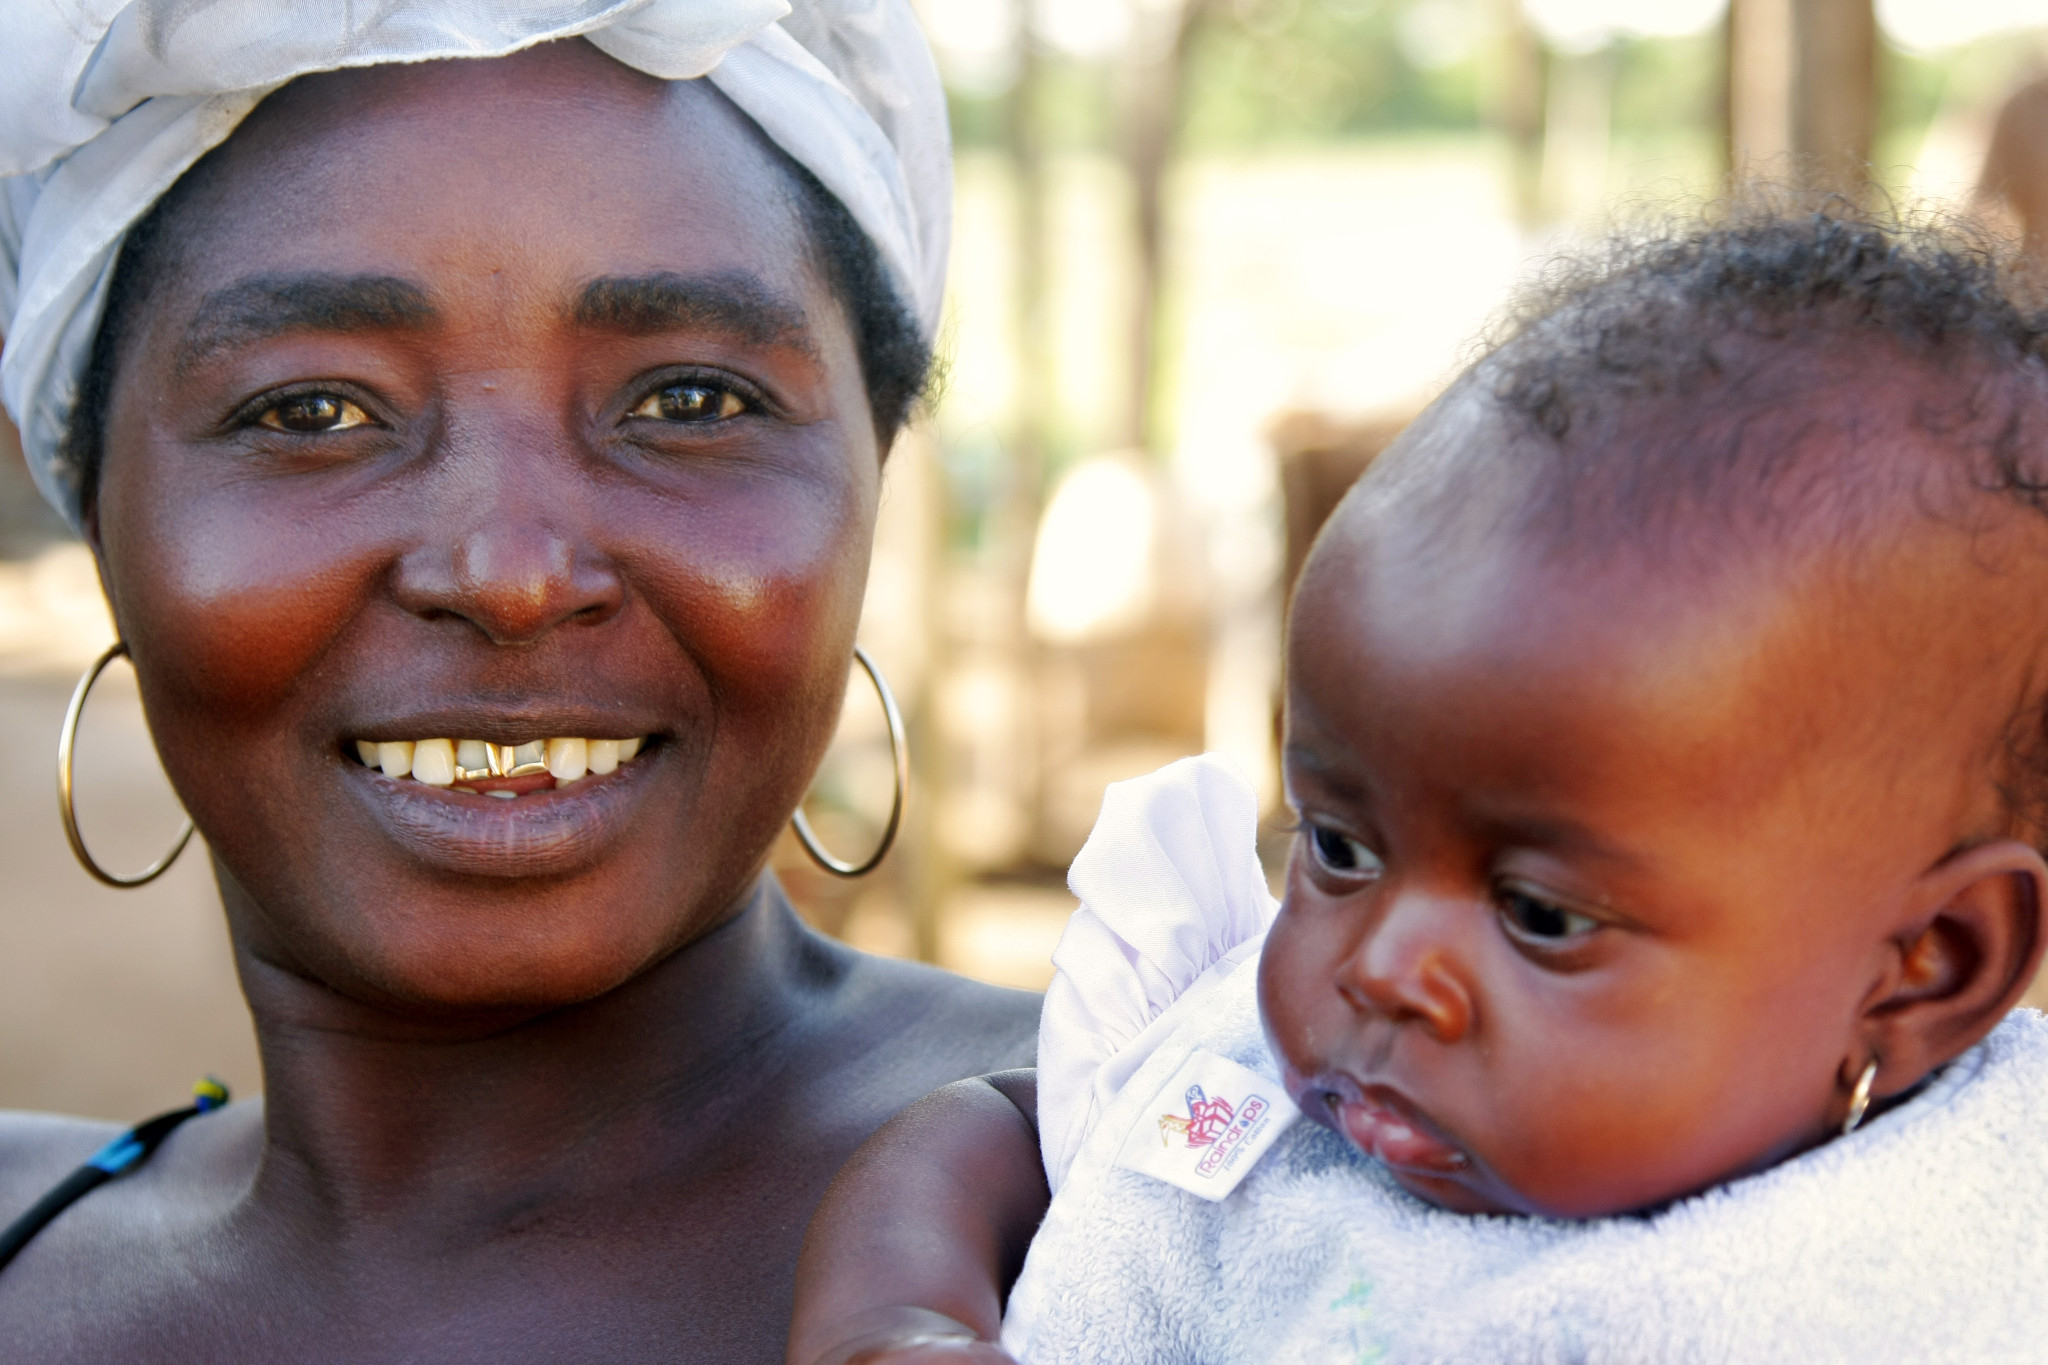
x=310, y=413
x=1531, y=917
x=691, y=403
x=1342, y=854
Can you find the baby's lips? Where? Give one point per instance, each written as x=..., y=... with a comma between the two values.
x=1382, y=1130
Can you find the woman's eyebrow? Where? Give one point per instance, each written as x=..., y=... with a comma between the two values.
x=269, y=305
x=666, y=302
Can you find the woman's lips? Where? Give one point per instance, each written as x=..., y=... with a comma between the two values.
x=550, y=830
x=1384, y=1126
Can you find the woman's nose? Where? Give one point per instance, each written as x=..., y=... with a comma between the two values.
x=1403, y=971
x=515, y=580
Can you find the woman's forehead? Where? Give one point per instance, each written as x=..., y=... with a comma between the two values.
x=530, y=176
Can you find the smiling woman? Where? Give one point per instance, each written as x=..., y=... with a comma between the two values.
x=481, y=458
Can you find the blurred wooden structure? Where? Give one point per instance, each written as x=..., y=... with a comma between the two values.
x=1320, y=458
x=1119, y=675
x=2014, y=182
x=1802, y=90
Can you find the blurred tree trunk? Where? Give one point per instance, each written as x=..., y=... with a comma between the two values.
x=1834, y=105
x=1515, y=97
x=1578, y=135
x=1801, y=86
x=1152, y=113
x=1037, y=368
x=998, y=642
x=1036, y=401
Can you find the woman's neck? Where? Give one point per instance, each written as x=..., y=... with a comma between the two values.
x=373, y=1119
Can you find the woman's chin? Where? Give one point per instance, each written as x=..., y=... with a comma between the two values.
x=426, y=899
x=441, y=946
x=461, y=967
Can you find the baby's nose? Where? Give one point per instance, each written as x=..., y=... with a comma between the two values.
x=1404, y=971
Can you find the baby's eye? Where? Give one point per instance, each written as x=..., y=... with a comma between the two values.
x=1342, y=854
x=312, y=414
x=1533, y=918
x=692, y=402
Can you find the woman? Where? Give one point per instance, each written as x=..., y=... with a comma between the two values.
x=538, y=399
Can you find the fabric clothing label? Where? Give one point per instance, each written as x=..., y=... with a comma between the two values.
x=1208, y=1126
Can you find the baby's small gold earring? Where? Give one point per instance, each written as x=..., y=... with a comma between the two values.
x=1859, y=1098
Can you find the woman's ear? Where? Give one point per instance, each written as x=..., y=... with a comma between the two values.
x=1959, y=966
x=89, y=532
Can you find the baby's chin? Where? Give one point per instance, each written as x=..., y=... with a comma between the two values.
x=1478, y=1190
x=1446, y=1169
x=1438, y=1169
x=1451, y=1194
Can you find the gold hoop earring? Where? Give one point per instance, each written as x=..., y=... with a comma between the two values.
x=1859, y=1098
x=899, y=751
x=67, y=740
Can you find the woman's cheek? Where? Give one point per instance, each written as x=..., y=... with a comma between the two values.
x=760, y=589
x=229, y=601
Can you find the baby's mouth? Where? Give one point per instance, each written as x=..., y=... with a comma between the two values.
x=1381, y=1126
x=507, y=771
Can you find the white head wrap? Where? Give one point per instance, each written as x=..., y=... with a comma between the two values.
x=105, y=103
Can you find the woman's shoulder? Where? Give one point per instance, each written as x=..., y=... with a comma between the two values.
x=987, y=1028
x=888, y=1032
x=199, y=1160
x=38, y=1150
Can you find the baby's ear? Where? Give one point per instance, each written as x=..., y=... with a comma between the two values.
x=1962, y=963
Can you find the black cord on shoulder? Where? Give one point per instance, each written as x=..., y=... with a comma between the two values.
x=118, y=1157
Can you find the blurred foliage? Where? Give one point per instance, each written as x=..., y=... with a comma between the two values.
x=1075, y=108
x=1264, y=71
x=1968, y=81
x=1911, y=89
x=1278, y=72
x=1667, y=87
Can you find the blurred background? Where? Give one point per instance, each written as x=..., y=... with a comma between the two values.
x=1209, y=256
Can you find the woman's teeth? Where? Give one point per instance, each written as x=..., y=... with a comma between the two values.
x=469, y=764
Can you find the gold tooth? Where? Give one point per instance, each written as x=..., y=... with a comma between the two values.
x=499, y=763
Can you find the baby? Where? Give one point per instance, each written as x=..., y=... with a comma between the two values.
x=1665, y=726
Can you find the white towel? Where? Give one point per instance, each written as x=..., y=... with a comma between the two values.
x=1922, y=1237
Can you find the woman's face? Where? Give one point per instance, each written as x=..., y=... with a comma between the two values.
x=496, y=401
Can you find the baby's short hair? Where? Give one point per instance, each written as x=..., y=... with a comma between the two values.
x=1641, y=313
x=1662, y=314
x=1666, y=384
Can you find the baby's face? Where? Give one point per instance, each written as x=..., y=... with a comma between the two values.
x=1597, y=861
